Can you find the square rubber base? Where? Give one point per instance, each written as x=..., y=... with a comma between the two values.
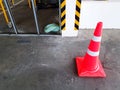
x=85, y=73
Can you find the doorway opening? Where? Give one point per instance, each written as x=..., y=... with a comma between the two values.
x=33, y=17
x=48, y=16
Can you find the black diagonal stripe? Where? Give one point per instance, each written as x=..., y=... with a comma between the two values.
x=77, y=18
x=77, y=8
x=79, y=1
x=61, y=1
x=62, y=9
x=76, y=26
x=62, y=18
x=62, y=26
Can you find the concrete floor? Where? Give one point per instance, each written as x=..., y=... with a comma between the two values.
x=47, y=63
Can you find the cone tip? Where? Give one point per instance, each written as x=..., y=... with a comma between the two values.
x=98, y=29
x=100, y=23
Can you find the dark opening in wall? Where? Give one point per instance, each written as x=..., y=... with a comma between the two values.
x=47, y=12
x=48, y=16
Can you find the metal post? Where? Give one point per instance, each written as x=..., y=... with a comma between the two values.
x=10, y=14
x=35, y=16
x=60, y=14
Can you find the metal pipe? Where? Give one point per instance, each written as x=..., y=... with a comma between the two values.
x=35, y=17
x=60, y=15
x=10, y=15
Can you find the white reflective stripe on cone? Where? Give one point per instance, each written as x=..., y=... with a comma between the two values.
x=97, y=39
x=91, y=53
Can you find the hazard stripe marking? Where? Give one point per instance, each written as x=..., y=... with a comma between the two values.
x=63, y=14
x=77, y=14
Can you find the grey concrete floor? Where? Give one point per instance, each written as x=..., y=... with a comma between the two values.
x=47, y=63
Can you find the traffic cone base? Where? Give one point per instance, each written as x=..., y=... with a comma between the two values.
x=99, y=72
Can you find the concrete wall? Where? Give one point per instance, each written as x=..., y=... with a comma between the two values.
x=106, y=11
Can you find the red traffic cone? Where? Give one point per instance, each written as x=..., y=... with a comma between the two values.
x=90, y=65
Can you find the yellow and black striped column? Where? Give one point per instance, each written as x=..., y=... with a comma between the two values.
x=63, y=14
x=77, y=14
